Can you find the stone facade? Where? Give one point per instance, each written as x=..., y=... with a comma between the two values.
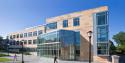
x=32, y=29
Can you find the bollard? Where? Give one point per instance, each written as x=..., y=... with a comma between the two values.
x=115, y=59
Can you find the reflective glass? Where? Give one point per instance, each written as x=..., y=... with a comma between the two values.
x=30, y=34
x=102, y=48
x=65, y=23
x=101, y=18
x=76, y=21
x=17, y=35
x=51, y=43
x=25, y=34
x=35, y=33
x=51, y=26
x=21, y=35
x=29, y=41
x=40, y=32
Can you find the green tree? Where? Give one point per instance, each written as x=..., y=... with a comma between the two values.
x=1, y=40
x=112, y=49
x=120, y=40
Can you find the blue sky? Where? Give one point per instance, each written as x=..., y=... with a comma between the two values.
x=16, y=15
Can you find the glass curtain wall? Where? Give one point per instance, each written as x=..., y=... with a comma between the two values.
x=102, y=33
x=48, y=44
x=60, y=43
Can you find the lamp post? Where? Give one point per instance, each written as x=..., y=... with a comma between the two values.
x=89, y=35
x=8, y=48
x=22, y=50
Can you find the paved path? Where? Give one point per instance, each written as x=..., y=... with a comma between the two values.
x=35, y=59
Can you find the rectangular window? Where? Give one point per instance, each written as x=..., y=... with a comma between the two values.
x=17, y=35
x=14, y=36
x=30, y=34
x=11, y=37
x=25, y=34
x=65, y=23
x=102, y=37
x=51, y=26
x=102, y=29
x=34, y=41
x=101, y=18
x=76, y=21
x=102, y=48
x=35, y=33
x=29, y=41
x=102, y=34
x=21, y=35
x=40, y=32
x=25, y=42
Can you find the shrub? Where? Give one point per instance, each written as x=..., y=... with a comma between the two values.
x=2, y=55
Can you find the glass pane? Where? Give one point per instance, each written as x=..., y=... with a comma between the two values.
x=35, y=33
x=40, y=32
x=103, y=37
x=76, y=21
x=65, y=23
x=30, y=34
x=102, y=48
x=51, y=26
x=102, y=29
x=101, y=18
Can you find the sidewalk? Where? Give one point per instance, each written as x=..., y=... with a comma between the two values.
x=35, y=59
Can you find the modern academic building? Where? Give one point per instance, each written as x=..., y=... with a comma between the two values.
x=66, y=36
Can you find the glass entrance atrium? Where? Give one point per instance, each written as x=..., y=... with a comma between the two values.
x=65, y=44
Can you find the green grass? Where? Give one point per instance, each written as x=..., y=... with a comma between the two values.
x=4, y=59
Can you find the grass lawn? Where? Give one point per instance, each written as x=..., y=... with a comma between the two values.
x=4, y=59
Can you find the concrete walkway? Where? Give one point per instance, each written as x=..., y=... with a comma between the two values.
x=35, y=59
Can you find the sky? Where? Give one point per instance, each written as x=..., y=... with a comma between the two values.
x=16, y=15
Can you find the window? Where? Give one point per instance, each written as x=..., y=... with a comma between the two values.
x=102, y=29
x=51, y=26
x=17, y=42
x=21, y=35
x=29, y=41
x=102, y=34
x=25, y=41
x=102, y=48
x=11, y=37
x=34, y=41
x=35, y=33
x=25, y=34
x=17, y=35
x=40, y=32
x=14, y=36
x=30, y=34
x=102, y=37
x=76, y=21
x=101, y=18
x=65, y=23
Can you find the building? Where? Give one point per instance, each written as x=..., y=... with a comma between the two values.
x=66, y=36
x=28, y=36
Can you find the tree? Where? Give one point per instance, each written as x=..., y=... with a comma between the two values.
x=1, y=42
x=1, y=38
x=120, y=40
x=112, y=49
